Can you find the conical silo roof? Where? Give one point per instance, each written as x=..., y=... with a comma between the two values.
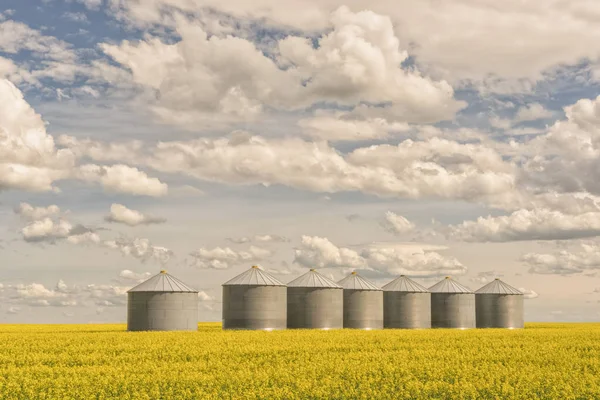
x=357, y=282
x=498, y=287
x=404, y=284
x=313, y=279
x=254, y=277
x=162, y=282
x=449, y=285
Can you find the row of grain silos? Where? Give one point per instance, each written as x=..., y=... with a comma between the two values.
x=255, y=300
x=313, y=301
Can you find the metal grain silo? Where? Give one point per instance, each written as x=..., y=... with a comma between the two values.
x=363, y=303
x=314, y=302
x=499, y=305
x=162, y=303
x=406, y=305
x=254, y=300
x=452, y=305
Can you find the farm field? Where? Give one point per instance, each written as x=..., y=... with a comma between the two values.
x=543, y=361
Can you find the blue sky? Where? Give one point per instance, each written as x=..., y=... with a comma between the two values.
x=204, y=137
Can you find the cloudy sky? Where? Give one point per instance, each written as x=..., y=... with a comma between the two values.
x=393, y=137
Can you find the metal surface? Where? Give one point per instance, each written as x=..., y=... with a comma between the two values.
x=499, y=311
x=452, y=305
x=313, y=279
x=498, y=287
x=363, y=303
x=315, y=308
x=254, y=300
x=404, y=284
x=162, y=311
x=254, y=307
x=162, y=282
x=406, y=310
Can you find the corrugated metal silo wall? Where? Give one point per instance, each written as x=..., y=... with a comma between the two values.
x=499, y=310
x=404, y=310
x=155, y=311
x=363, y=309
x=254, y=307
x=316, y=308
x=453, y=310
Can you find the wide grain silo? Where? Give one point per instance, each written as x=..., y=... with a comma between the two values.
x=406, y=305
x=499, y=305
x=254, y=300
x=314, y=302
x=363, y=303
x=452, y=305
x=162, y=303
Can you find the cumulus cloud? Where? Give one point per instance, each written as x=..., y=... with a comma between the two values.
x=581, y=258
x=29, y=212
x=357, y=62
x=225, y=257
x=123, y=179
x=46, y=230
x=121, y=214
x=319, y=252
x=486, y=276
x=397, y=224
x=412, y=259
x=141, y=249
x=334, y=128
x=537, y=224
x=16, y=37
x=435, y=168
x=128, y=276
x=532, y=112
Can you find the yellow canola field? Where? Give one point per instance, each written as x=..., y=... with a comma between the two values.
x=543, y=361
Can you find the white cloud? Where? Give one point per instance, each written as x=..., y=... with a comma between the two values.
x=84, y=238
x=397, y=224
x=225, y=257
x=537, y=224
x=16, y=37
x=123, y=179
x=528, y=293
x=46, y=230
x=29, y=212
x=121, y=214
x=412, y=259
x=319, y=252
x=130, y=276
x=583, y=257
x=334, y=128
x=141, y=249
x=199, y=80
x=267, y=238
x=533, y=112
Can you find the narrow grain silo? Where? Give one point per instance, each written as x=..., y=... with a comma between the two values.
x=162, y=303
x=406, y=305
x=254, y=300
x=314, y=302
x=363, y=303
x=452, y=305
x=499, y=305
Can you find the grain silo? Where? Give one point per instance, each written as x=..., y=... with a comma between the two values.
x=406, y=305
x=254, y=300
x=162, y=303
x=363, y=303
x=452, y=305
x=314, y=302
x=499, y=305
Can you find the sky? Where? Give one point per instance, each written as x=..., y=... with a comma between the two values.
x=202, y=137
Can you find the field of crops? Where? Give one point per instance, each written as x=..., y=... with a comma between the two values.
x=546, y=361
